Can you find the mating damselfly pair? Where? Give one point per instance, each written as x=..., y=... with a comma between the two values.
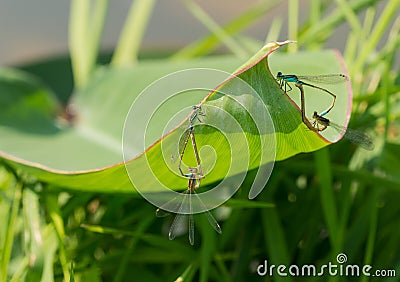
x=320, y=121
x=194, y=176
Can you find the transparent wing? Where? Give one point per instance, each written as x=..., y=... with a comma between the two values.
x=179, y=219
x=325, y=78
x=171, y=204
x=360, y=138
x=214, y=224
x=197, y=111
x=191, y=222
x=183, y=141
x=357, y=137
x=181, y=146
x=178, y=222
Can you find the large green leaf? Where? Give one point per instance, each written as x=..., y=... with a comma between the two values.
x=87, y=154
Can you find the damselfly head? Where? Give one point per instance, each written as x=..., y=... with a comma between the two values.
x=192, y=170
x=320, y=123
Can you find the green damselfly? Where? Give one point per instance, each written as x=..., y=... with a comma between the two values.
x=194, y=178
x=284, y=80
x=189, y=134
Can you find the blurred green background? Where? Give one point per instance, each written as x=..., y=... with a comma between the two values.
x=340, y=199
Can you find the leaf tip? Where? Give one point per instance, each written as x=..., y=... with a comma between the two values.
x=272, y=46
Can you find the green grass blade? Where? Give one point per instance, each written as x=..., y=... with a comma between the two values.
x=345, y=207
x=369, y=20
x=20, y=272
x=351, y=17
x=10, y=229
x=274, y=30
x=370, y=45
x=188, y=274
x=315, y=12
x=223, y=271
x=35, y=240
x=95, y=30
x=241, y=203
x=327, y=25
x=323, y=168
x=250, y=44
x=373, y=229
x=207, y=44
x=220, y=33
x=293, y=23
x=275, y=240
x=351, y=47
x=127, y=49
x=78, y=26
x=361, y=176
x=85, y=29
x=388, y=52
x=51, y=243
x=55, y=214
x=122, y=266
x=208, y=248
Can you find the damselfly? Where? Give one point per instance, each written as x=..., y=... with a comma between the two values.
x=357, y=137
x=189, y=133
x=298, y=80
x=186, y=205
